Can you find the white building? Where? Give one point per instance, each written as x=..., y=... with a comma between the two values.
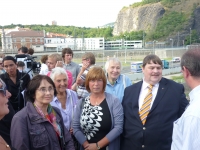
x=58, y=43
x=122, y=44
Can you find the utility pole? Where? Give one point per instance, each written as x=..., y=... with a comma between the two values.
x=4, y=40
x=190, y=36
x=178, y=40
x=74, y=38
x=143, y=40
x=82, y=41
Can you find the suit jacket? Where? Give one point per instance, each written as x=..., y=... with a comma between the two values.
x=156, y=134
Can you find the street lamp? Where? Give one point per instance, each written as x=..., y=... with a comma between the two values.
x=172, y=51
x=190, y=36
x=125, y=49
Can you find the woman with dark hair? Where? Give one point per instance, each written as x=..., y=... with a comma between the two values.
x=39, y=125
x=14, y=80
x=98, y=120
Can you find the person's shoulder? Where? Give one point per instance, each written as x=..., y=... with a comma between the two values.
x=71, y=91
x=170, y=82
x=75, y=64
x=22, y=114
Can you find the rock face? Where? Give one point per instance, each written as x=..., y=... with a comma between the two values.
x=196, y=22
x=139, y=18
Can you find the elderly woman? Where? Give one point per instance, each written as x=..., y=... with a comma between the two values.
x=4, y=110
x=98, y=120
x=65, y=99
x=39, y=125
x=116, y=82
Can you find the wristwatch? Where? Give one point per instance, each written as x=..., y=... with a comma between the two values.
x=98, y=147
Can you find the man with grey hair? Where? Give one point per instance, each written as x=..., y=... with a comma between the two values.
x=186, y=129
x=116, y=82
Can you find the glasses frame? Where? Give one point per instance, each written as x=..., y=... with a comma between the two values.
x=44, y=90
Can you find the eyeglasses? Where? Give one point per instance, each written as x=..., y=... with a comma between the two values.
x=3, y=90
x=44, y=90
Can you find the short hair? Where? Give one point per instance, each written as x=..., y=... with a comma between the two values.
x=90, y=56
x=190, y=60
x=116, y=60
x=30, y=51
x=58, y=71
x=67, y=51
x=34, y=84
x=57, y=57
x=95, y=73
x=44, y=58
x=154, y=58
x=24, y=49
x=9, y=58
x=20, y=64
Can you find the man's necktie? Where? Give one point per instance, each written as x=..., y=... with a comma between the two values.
x=144, y=111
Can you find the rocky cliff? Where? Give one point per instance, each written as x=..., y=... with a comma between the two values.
x=139, y=18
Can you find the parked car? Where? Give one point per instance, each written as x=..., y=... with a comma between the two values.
x=176, y=59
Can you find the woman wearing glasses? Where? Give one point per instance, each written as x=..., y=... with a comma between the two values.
x=98, y=120
x=4, y=110
x=39, y=125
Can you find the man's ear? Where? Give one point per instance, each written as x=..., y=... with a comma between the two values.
x=186, y=71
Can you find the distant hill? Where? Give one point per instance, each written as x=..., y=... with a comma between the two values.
x=161, y=20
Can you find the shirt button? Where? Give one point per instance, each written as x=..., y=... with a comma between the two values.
x=142, y=146
x=144, y=128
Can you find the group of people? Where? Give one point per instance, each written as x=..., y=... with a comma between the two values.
x=67, y=107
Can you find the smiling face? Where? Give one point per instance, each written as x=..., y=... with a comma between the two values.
x=60, y=82
x=44, y=94
x=113, y=70
x=152, y=73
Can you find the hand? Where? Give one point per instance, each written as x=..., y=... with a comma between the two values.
x=59, y=64
x=85, y=65
x=91, y=146
x=71, y=130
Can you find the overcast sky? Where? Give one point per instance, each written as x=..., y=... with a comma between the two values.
x=88, y=13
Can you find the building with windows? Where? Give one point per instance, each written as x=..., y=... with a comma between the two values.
x=123, y=44
x=13, y=40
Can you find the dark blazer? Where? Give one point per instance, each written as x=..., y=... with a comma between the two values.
x=156, y=134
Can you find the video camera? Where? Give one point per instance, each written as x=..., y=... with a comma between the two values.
x=30, y=63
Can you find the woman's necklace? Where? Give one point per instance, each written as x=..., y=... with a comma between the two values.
x=4, y=143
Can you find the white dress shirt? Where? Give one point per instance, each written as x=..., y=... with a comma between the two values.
x=186, y=131
x=144, y=91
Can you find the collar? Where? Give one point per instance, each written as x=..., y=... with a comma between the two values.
x=55, y=99
x=194, y=93
x=18, y=75
x=118, y=81
x=68, y=64
x=145, y=85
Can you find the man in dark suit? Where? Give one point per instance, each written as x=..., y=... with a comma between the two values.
x=150, y=108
